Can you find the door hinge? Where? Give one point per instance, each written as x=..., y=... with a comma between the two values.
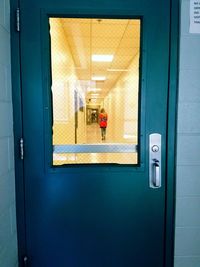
x=21, y=144
x=25, y=261
x=18, y=20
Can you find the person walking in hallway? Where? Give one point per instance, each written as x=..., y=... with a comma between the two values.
x=103, y=118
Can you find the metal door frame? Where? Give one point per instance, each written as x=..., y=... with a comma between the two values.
x=171, y=133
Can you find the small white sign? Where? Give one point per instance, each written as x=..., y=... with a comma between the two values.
x=194, y=16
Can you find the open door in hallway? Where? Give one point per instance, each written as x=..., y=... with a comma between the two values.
x=94, y=91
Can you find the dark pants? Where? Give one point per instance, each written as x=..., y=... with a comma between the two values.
x=103, y=132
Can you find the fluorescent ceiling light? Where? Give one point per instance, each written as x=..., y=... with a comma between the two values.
x=94, y=94
x=117, y=70
x=94, y=89
x=102, y=58
x=98, y=78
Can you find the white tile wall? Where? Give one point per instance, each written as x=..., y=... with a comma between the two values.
x=8, y=236
x=187, y=245
x=187, y=236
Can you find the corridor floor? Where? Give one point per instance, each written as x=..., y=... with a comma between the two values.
x=93, y=136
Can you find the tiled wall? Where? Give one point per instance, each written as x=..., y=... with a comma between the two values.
x=8, y=243
x=187, y=245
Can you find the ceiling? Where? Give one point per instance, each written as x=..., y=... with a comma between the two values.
x=117, y=37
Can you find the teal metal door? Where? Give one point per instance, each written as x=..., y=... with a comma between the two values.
x=93, y=215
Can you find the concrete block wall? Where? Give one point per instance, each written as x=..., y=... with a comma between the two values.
x=8, y=236
x=187, y=237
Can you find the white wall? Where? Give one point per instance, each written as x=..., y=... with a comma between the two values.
x=187, y=245
x=121, y=104
x=8, y=242
x=64, y=84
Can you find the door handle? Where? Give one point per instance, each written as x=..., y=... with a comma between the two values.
x=156, y=173
x=155, y=160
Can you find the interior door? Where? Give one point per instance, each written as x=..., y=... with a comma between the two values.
x=99, y=214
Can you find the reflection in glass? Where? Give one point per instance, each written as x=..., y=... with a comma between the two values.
x=95, y=67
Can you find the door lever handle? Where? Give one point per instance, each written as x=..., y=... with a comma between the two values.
x=155, y=150
x=156, y=173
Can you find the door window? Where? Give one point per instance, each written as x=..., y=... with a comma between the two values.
x=95, y=88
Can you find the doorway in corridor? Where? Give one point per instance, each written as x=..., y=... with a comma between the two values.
x=92, y=115
x=87, y=68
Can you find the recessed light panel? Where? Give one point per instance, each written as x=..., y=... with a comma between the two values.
x=102, y=58
x=98, y=78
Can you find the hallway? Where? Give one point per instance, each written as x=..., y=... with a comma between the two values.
x=93, y=136
x=102, y=74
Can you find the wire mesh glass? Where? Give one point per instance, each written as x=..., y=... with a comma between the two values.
x=95, y=88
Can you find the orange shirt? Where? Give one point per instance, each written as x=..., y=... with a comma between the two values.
x=103, y=117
